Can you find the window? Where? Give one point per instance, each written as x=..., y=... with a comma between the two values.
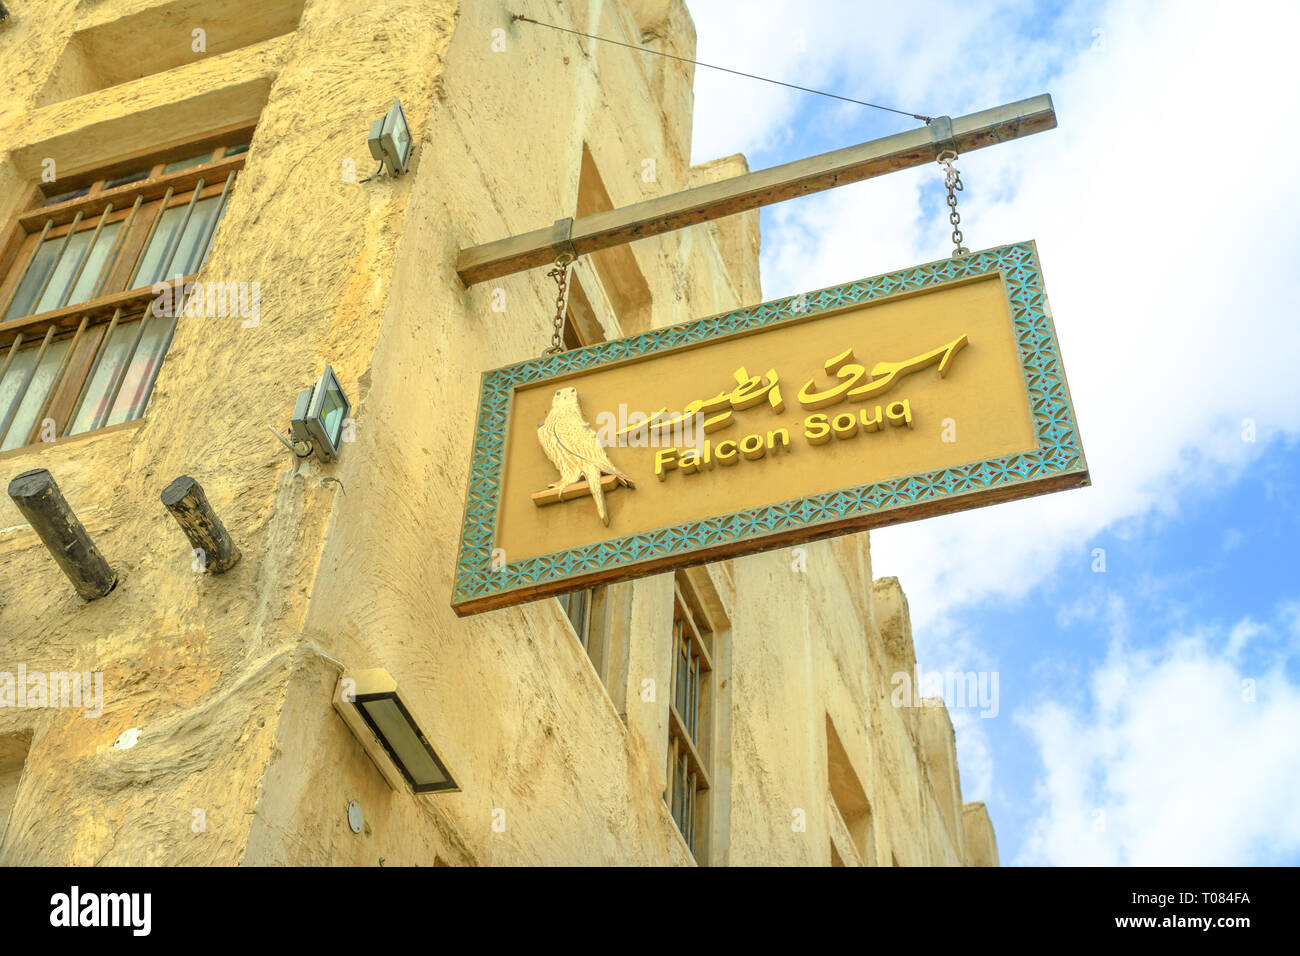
x=690, y=718
x=853, y=839
x=593, y=613
x=124, y=48
x=80, y=347
x=620, y=276
x=577, y=607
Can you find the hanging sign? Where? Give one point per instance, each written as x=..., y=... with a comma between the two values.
x=931, y=390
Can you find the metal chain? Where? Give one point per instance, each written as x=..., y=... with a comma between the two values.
x=560, y=273
x=952, y=179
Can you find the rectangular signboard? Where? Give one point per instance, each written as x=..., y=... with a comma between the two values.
x=930, y=390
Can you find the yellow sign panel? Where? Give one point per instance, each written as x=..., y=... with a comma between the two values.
x=917, y=393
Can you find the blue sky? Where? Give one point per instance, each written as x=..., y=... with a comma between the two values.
x=1125, y=734
x=1223, y=565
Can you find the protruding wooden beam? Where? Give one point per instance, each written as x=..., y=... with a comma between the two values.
x=614, y=227
x=188, y=504
x=43, y=505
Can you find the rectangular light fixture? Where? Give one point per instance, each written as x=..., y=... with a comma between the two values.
x=373, y=709
x=319, y=415
x=390, y=139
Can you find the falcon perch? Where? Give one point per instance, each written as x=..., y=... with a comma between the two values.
x=575, y=450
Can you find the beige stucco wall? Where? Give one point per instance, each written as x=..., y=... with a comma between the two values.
x=229, y=678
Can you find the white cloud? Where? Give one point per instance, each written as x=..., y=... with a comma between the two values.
x=926, y=56
x=1241, y=635
x=1289, y=613
x=975, y=765
x=1164, y=208
x=1172, y=764
x=1164, y=234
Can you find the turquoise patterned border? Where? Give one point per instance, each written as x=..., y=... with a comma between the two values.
x=1059, y=451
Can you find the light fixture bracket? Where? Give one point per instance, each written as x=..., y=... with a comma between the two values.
x=390, y=140
x=319, y=417
x=369, y=702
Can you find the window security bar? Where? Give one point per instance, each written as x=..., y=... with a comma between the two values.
x=58, y=257
x=26, y=265
x=7, y=421
x=85, y=257
x=58, y=375
x=180, y=232
x=115, y=253
x=94, y=370
x=90, y=370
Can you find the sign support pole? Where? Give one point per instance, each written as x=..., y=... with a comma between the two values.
x=653, y=217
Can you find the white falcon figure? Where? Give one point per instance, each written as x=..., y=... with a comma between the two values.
x=574, y=448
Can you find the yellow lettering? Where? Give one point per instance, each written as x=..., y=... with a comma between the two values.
x=845, y=425
x=750, y=390
x=720, y=402
x=665, y=459
x=816, y=430
x=726, y=452
x=776, y=434
x=856, y=385
x=899, y=413
x=874, y=422
x=752, y=447
x=849, y=374
x=639, y=424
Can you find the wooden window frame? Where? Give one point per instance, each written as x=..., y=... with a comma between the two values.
x=691, y=741
x=596, y=630
x=848, y=807
x=139, y=207
x=581, y=629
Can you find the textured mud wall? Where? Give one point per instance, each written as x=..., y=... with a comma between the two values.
x=509, y=698
x=229, y=679
x=201, y=666
x=812, y=643
x=981, y=843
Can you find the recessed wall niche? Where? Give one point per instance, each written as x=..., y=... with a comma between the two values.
x=13, y=755
x=161, y=38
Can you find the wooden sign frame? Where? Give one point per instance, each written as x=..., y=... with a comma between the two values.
x=1057, y=463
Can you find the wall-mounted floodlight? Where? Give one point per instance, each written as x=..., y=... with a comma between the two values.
x=373, y=709
x=390, y=140
x=319, y=414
